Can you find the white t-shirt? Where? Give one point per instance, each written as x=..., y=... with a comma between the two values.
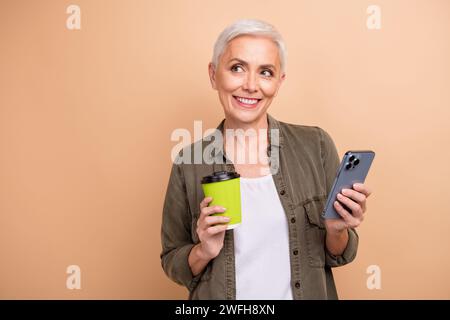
x=261, y=243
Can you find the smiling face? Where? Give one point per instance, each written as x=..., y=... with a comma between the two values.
x=247, y=78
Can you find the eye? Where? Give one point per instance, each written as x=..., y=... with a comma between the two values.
x=236, y=67
x=267, y=73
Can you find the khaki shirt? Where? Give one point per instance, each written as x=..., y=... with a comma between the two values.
x=307, y=165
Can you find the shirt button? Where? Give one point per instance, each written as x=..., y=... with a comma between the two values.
x=282, y=192
x=297, y=284
x=295, y=252
x=293, y=220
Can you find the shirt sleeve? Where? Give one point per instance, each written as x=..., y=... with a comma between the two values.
x=176, y=237
x=330, y=161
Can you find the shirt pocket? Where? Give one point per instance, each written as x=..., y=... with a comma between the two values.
x=315, y=232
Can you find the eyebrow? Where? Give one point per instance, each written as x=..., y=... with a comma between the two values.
x=246, y=63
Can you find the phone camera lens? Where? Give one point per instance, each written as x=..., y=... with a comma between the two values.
x=356, y=162
x=348, y=166
x=352, y=157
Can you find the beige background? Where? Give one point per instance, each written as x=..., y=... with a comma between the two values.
x=86, y=118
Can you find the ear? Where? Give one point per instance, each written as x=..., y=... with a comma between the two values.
x=212, y=75
x=283, y=76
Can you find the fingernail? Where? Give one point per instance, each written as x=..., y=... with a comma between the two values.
x=340, y=196
x=226, y=219
x=222, y=208
x=344, y=191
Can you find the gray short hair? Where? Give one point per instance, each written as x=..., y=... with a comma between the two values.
x=249, y=27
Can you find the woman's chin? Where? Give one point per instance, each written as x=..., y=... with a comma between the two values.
x=245, y=116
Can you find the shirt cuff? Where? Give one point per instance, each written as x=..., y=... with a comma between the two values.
x=349, y=253
x=183, y=271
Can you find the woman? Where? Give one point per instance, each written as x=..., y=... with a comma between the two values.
x=283, y=249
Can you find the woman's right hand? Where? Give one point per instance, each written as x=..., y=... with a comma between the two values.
x=211, y=229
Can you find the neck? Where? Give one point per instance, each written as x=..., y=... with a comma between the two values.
x=246, y=147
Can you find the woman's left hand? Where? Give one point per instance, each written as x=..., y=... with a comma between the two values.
x=354, y=199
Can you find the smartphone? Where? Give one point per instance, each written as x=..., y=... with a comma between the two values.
x=354, y=168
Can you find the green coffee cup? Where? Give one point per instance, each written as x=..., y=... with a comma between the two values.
x=225, y=190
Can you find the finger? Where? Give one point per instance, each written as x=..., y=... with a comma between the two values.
x=216, y=229
x=348, y=218
x=210, y=210
x=362, y=188
x=205, y=202
x=342, y=212
x=212, y=220
x=356, y=196
x=355, y=208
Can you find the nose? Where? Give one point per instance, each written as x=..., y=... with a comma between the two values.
x=250, y=83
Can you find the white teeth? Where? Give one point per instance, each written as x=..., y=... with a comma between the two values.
x=247, y=101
